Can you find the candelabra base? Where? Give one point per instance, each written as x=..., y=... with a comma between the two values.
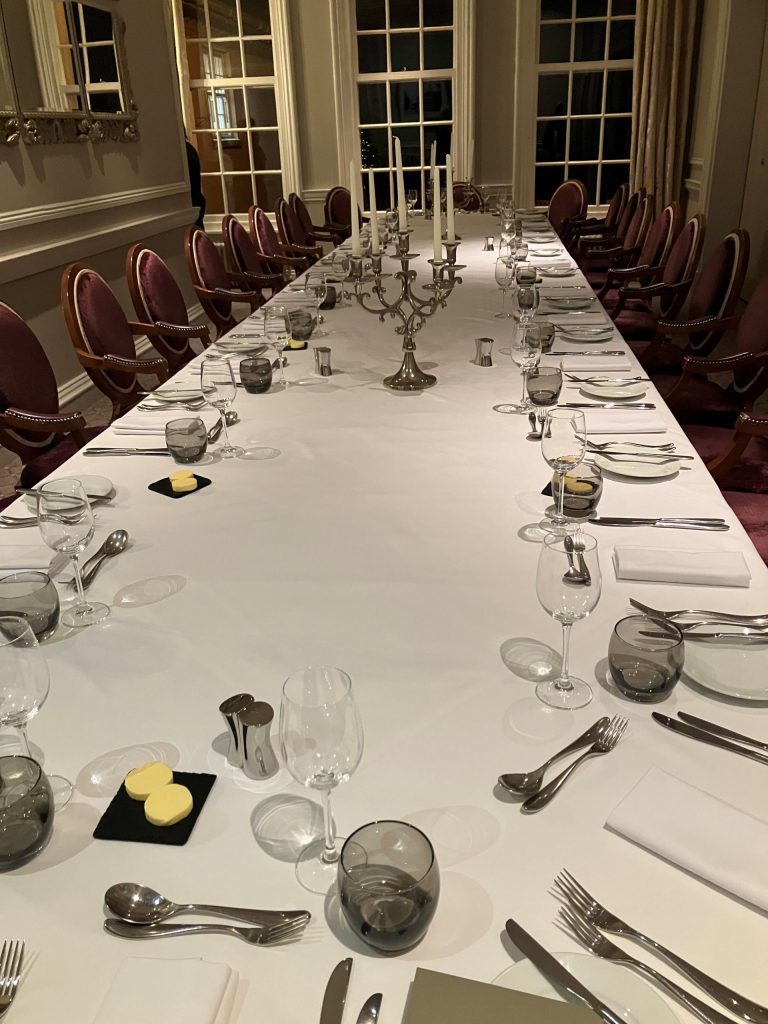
x=410, y=377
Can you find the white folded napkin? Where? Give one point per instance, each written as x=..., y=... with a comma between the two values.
x=595, y=362
x=147, y=991
x=681, y=565
x=154, y=421
x=623, y=421
x=697, y=832
x=20, y=557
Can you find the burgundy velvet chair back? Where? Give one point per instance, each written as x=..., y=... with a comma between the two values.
x=157, y=297
x=288, y=227
x=338, y=206
x=660, y=236
x=683, y=262
x=98, y=325
x=26, y=382
x=242, y=254
x=616, y=206
x=263, y=232
x=630, y=207
x=569, y=201
x=466, y=196
x=716, y=290
x=207, y=271
x=301, y=213
x=752, y=336
x=640, y=223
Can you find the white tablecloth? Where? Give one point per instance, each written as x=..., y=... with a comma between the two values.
x=384, y=539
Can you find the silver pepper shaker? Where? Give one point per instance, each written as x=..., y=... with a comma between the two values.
x=259, y=761
x=483, y=348
x=230, y=709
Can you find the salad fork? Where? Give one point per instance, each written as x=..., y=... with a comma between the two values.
x=596, y=943
x=257, y=936
x=11, y=959
x=601, y=446
x=573, y=893
x=702, y=613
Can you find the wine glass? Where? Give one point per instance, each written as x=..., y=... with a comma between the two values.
x=65, y=518
x=526, y=353
x=505, y=278
x=321, y=739
x=340, y=263
x=411, y=198
x=317, y=287
x=217, y=383
x=563, y=444
x=526, y=301
x=24, y=687
x=277, y=331
x=568, y=588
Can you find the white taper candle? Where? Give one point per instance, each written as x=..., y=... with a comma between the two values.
x=374, y=220
x=353, y=211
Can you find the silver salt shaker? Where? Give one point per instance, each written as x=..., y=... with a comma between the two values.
x=230, y=709
x=259, y=761
x=483, y=348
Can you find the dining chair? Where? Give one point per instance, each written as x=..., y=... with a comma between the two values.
x=214, y=286
x=752, y=512
x=651, y=258
x=278, y=257
x=595, y=226
x=610, y=238
x=291, y=233
x=31, y=423
x=600, y=257
x=337, y=209
x=709, y=313
x=466, y=196
x=159, y=304
x=737, y=457
x=245, y=260
x=103, y=338
x=694, y=398
x=569, y=200
x=312, y=232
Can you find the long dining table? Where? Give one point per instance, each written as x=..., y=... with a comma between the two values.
x=385, y=536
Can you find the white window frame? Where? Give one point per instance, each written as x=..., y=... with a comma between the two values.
x=526, y=97
x=346, y=78
x=282, y=81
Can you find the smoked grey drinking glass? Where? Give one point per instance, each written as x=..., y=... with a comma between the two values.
x=646, y=657
x=389, y=884
x=256, y=375
x=31, y=596
x=186, y=439
x=26, y=811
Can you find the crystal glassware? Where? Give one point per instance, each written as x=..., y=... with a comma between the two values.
x=277, y=331
x=317, y=287
x=582, y=493
x=563, y=444
x=32, y=596
x=526, y=301
x=217, y=383
x=646, y=657
x=544, y=383
x=321, y=738
x=505, y=278
x=568, y=584
x=389, y=884
x=256, y=374
x=26, y=811
x=411, y=198
x=525, y=350
x=65, y=518
x=186, y=439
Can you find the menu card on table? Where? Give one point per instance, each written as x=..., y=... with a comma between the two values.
x=442, y=997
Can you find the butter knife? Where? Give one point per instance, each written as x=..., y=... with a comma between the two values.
x=606, y=405
x=661, y=523
x=707, y=737
x=336, y=993
x=719, y=730
x=556, y=973
x=586, y=352
x=369, y=1013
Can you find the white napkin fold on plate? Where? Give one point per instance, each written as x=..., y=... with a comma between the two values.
x=681, y=565
x=624, y=421
x=154, y=421
x=593, y=362
x=694, y=830
x=152, y=991
x=20, y=557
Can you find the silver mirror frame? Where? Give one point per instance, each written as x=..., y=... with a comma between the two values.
x=42, y=128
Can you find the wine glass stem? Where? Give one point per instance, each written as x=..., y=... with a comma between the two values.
x=330, y=854
x=224, y=433
x=525, y=384
x=78, y=580
x=503, y=298
x=564, y=682
x=23, y=741
x=561, y=496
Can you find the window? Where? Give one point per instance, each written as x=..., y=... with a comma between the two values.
x=584, y=95
x=237, y=64
x=404, y=51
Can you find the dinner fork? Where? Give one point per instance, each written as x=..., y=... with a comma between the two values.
x=579, y=899
x=756, y=620
x=257, y=936
x=603, y=745
x=596, y=943
x=669, y=447
x=11, y=959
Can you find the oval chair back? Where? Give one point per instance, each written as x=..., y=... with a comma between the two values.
x=208, y=273
x=716, y=290
x=682, y=263
x=568, y=201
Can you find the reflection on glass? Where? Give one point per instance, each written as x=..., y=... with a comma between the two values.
x=589, y=43
x=404, y=51
x=258, y=58
x=6, y=91
x=372, y=53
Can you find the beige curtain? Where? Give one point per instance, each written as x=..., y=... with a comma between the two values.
x=664, y=39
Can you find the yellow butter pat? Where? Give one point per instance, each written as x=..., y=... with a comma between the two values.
x=293, y=343
x=145, y=780
x=181, y=474
x=575, y=486
x=184, y=485
x=168, y=805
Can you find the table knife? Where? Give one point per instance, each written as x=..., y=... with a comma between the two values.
x=126, y=451
x=336, y=993
x=556, y=973
x=720, y=730
x=707, y=737
x=369, y=1014
x=662, y=523
x=586, y=352
x=606, y=405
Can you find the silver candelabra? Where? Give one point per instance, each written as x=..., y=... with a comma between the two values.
x=411, y=309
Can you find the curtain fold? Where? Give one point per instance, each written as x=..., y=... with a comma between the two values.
x=664, y=40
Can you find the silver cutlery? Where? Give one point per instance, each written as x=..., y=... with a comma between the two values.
x=171, y=406
x=93, y=499
x=257, y=936
x=113, y=545
x=606, y=380
x=126, y=451
x=602, y=445
x=586, y=352
x=587, y=906
x=596, y=943
x=707, y=737
x=554, y=971
x=7, y=525
x=577, y=540
x=661, y=523
x=526, y=783
x=720, y=730
x=335, y=994
x=369, y=1013
x=139, y=904
x=604, y=744
x=574, y=546
x=11, y=959
x=761, y=620
x=607, y=405
x=659, y=457
x=758, y=636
